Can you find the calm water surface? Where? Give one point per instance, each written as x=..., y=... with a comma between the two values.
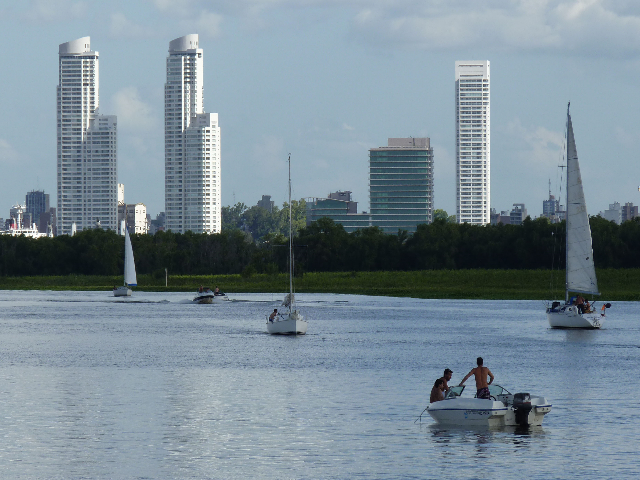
x=156, y=387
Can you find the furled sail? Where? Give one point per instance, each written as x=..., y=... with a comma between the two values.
x=129, y=264
x=581, y=274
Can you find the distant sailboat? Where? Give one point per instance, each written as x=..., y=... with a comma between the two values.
x=291, y=322
x=129, y=269
x=580, y=270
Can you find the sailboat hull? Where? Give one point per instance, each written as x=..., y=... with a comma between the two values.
x=122, y=292
x=287, y=325
x=568, y=317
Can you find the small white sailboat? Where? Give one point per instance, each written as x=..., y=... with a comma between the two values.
x=291, y=322
x=580, y=270
x=129, y=270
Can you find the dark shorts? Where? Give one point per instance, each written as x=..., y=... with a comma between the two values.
x=483, y=393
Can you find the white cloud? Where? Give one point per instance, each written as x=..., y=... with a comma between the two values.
x=133, y=113
x=562, y=25
x=532, y=148
x=8, y=154
x=121, y=26
x=53, y=10
x=207, y=23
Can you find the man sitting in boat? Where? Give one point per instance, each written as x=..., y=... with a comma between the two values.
x=273, y=315
x=445, y=378
x=437, y=392
x=480, y=372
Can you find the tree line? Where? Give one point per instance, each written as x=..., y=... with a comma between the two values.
x=321, y=246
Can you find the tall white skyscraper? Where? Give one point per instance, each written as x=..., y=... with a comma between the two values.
x=473, y=142
x=87, y=144
x=192, y=144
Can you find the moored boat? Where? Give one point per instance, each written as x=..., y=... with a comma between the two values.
x=502, y=409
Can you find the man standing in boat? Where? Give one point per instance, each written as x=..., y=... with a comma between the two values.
x=480, y=372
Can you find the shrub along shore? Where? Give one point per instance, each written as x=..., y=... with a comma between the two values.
x=615, y=284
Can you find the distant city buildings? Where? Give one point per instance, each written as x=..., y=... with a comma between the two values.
x=552, y=209
x=87, y=144
x=21, y=223
x=401, y=184
x=518, y=214
x=629, y=212
x=266, y=203
x=157, y=225
x=473, y=142
x=613, y=214
x=339, y=207
x=192, y=144
x=503, y=217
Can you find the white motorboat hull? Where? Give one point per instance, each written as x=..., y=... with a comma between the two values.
x=290, y=324
x=478, y=412
x=567, y=316
x=203, y=299
x=122, y=292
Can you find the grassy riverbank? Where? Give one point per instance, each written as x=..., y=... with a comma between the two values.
x=615, y=284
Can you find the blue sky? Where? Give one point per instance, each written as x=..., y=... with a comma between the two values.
x=325, y=80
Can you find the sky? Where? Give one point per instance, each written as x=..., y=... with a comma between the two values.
x=326, y=80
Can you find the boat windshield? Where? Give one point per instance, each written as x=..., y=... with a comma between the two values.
x=454, y=392
x=496, y=390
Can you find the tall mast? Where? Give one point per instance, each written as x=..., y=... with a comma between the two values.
x=566, y=222
x=290, y=243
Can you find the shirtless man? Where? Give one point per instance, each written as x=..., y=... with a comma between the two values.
x=480, y=372
x=446, y=377
x=437, y=391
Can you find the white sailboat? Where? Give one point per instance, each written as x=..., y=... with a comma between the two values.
x=129, y=270
x=291, y=322
x=580, y=271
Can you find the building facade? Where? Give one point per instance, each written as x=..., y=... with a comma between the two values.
x=473, y=142
x=518, y=214
x=338, y=207
x=192, y=144
x=401, y=184
x=37, y=203
x=87, y=144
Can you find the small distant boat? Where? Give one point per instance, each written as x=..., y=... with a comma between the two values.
x=291, y=322
x=130, y=279
x=206, y=296
x=503, y=409
x=580, y=270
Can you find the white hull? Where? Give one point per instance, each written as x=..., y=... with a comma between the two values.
x=567, y=316
x=122, y=292
x=500, y=412
x=290, y=324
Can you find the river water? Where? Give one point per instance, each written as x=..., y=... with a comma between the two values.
x=156, y=387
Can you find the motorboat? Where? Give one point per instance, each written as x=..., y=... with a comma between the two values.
x=130, y=279
x=206, y=296
x=291, y=322
x=502, y=409
x=575, y=312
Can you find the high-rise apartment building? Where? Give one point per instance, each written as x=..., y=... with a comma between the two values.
x=473, y=142
x=401, y=184
x=37, y=203
x=87, y=144
x=192, y=144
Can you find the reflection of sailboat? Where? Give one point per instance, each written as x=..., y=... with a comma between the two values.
x=580, y=271
x=291, y=322
x=129, y=269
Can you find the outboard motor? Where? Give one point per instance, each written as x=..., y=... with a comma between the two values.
x=522, y=407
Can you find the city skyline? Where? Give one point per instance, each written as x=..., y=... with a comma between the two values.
x=326, y=82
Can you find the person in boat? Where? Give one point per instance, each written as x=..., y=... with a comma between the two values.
x=480, y=373
x=437, y=392
x=216, y=290
x=587, y=307
x=273, y=315
x=200, y=289
x=445, y=378
x=580, y=303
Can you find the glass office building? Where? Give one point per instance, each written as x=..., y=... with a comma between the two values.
x=401, y=184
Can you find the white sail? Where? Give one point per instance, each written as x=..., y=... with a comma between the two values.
x=581, y=274
x=129, y=264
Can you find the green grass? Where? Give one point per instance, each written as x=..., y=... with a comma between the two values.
x=471, y=284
